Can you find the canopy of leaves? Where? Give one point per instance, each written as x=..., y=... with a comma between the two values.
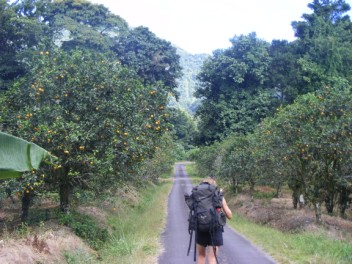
x=104, y=122
x=152, y=58
x=184, y=127
x=79, y=23
x=325, y=38
x=234, y=98
x=18, y=33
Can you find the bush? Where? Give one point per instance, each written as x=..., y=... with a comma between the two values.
x=85, y=227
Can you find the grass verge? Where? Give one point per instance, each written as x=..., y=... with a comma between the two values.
x=294, y=248
x=136, y=230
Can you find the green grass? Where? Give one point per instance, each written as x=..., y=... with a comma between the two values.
x=79, y=257
x=263, y=195
x=86, y=228
x=295, y=248
x=136, y=230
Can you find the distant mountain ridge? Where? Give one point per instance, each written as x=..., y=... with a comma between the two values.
x=191, y=65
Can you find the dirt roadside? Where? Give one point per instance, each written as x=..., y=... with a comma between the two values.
x=280, y=214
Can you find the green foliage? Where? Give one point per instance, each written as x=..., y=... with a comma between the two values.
x=263, y=195
x=285, y=74
x=232, y=88
x=79, y=257
x=80, y=24
x=316, y=134
x=192, y=154
x=86, y=228
x=208, y=160
x=184, y=127
x=102, y=120
x=306, y=144
x=162, y=160
x=100, y=126
x=18, y=33
x=152, y=58
x=325, y=37
x=18, y=156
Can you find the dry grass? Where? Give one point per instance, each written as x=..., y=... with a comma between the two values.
x=279, y=214
x=291, y=236
x=41, y=247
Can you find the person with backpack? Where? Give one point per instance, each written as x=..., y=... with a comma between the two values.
x=208, y=213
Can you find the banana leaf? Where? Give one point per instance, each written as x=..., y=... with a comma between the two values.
x=18, y=156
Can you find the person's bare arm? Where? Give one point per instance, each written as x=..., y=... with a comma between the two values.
x=226, y=209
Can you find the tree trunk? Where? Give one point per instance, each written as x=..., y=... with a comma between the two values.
x=251, y=188
x=295, y=198
x=66, y=190
x=317, y=210
x=26, y=199
x=329, y=203
x=278, y=191
x=344, y=199
x=235, y=184
x=301, y=201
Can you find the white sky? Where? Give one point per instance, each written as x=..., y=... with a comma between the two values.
x=202, y=26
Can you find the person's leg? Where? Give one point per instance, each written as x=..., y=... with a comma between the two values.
x=211, y=255
x=201, y=254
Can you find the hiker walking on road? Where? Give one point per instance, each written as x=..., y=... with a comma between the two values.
x=208, y=239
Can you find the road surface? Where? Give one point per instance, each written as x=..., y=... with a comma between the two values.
x=175, y=238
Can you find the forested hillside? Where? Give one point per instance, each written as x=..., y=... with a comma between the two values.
x=187, y=84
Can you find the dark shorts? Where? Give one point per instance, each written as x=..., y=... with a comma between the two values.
x=206, y=239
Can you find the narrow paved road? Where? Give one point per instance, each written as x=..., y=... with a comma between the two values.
x=175, y=238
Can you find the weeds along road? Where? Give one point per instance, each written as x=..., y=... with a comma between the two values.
x=175, y=238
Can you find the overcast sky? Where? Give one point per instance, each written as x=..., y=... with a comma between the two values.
x=201, y=26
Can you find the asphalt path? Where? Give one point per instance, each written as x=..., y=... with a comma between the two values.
x=175, y=238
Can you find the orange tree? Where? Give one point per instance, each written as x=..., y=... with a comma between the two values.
x=315, y=133
x=279, y=167
x=237, y=163
x=91, y=113
x=162, y=160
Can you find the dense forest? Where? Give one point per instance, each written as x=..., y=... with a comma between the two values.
x=98, y=95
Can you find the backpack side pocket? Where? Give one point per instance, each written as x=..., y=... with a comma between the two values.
x=189, y=201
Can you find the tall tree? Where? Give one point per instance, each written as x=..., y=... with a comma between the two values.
x=18, y=33
x=232, y=89
x=80, y=23
x=325, y=38
x=285, y=74
x=152, y=58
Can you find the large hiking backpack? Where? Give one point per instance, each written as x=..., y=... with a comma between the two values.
x=205, y=203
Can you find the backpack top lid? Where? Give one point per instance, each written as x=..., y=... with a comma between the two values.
x=204, y=193
x=207, y=193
